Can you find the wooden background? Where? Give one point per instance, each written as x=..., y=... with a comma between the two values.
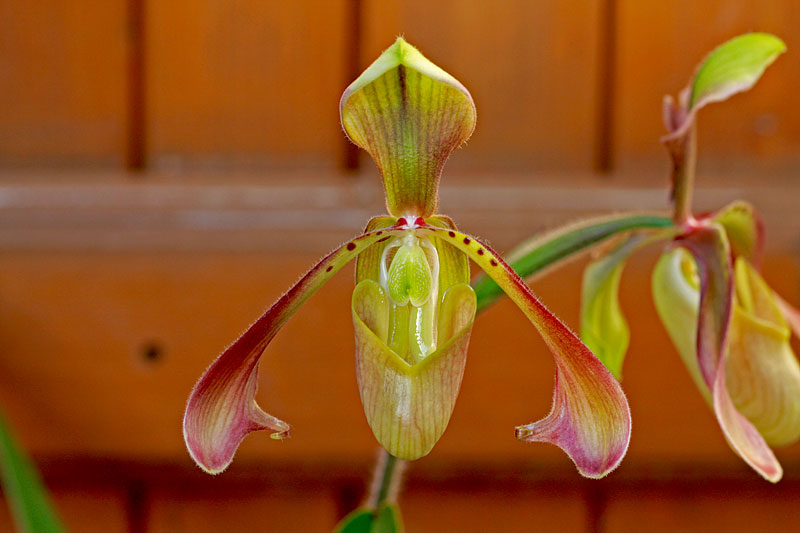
x=167, y=169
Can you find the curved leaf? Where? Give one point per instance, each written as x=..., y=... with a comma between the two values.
x=539, y=254
x=733, y=67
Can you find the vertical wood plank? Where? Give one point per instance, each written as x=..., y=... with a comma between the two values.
x=243, y=84
x=530, y=66
x=62, y=83
x=659, y=45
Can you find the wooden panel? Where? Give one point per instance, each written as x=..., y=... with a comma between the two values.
x=62, y=82
x=659, y=44
x=242, y=83
x=240, y=512
x=83, y=510
x=701, y=509
x=530, y=66
x=494, y=510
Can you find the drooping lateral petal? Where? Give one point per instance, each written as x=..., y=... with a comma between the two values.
x=709, y=247
x=408, y=406
x=222, y=409
x=744, y=229
x=604, y=329
x=742, y=436
x=711, y=253
x=409, y=115
x=541, y=253
x=763, y=375
x=590, y=419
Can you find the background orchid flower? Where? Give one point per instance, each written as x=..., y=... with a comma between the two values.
x=412, y=306
x=722, y=317
x=731, y=330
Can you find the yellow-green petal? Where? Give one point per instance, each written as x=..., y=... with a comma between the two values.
x=744, y=229
x=604, y=329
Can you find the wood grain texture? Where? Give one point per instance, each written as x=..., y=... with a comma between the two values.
x=530, y=66
x=244, y=84
x=62, y=83
x=659, y=45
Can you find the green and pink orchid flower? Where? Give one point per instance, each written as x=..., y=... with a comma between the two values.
x=413, y=307
x=729, y=327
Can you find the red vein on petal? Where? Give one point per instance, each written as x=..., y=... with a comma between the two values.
x=222, y=410
x=590, y=418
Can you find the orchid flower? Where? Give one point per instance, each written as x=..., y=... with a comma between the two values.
x=412, y=306
x=729, y=327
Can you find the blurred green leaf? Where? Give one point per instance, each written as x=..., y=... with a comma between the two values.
x=733, y=67
x=363, y=520
x=359, y=521
x=388, y=520
x=542, y=252
x=26, y=495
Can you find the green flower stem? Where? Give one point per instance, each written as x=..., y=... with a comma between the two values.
x=683, y=168
x=386, y=480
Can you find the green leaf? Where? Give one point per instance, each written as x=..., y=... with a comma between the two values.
x=363, y=520
x=733, y=67
x=388, y=520
x=542, y=252
x=24, y=491
x=359, y=521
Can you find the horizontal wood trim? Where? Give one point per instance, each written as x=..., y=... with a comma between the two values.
x=312, y=213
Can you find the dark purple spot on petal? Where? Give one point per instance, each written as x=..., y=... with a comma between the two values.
x=330, y=267
x=480, y=251
x=385, y=238
x=493, y=262
x=452, y=234
x=351, y=246
x=379, y=233
x=466, y=240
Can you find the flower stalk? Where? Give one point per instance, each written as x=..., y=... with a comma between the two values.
x=684, y=163
x=386, y=480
